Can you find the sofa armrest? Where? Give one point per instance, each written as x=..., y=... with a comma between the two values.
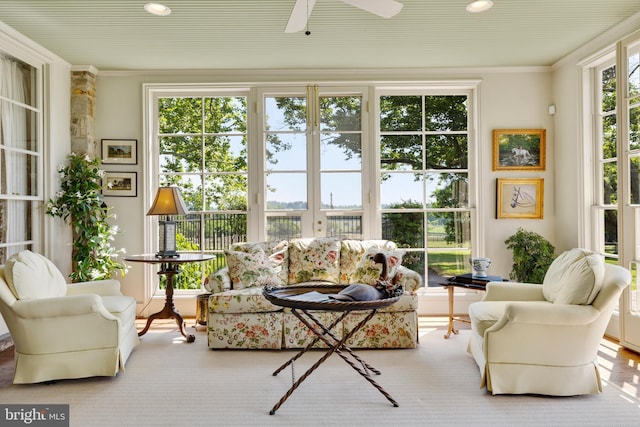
x=408, y=279
x=218, y=281
x=546, y=314
x=108, y=287
x=513, y=291
x=543, y=333
x=68, y=306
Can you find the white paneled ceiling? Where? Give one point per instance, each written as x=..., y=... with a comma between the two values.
x=249, y=34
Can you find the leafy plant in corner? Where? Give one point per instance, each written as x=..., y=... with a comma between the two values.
x=80, y=202
x=532, y=255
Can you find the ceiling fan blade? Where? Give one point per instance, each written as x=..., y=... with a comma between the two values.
x=383, y=8
x=299, y=15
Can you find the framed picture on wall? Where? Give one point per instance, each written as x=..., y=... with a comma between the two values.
x=120, y=184
x=519, y=149
x=520, y=198
x=120, y=151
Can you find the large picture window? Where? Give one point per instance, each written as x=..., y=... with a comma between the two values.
x=319, y=161
x=202, y=149
x=424, y=181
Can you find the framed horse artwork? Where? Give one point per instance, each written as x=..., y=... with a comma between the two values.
x=519, y=149
x=520, y=198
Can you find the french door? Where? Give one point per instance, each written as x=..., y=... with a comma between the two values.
x=629, y=183
x=313, y=175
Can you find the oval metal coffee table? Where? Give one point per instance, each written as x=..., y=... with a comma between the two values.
x=301, y=300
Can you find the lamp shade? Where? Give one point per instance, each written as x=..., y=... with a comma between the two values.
x=168, y=201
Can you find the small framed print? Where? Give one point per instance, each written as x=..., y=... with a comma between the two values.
x=120, y=184
x=521, y=198
x=519, y=149
x=120, y=151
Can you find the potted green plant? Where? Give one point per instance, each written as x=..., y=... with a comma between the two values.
x=80, y=202
x=532, y=256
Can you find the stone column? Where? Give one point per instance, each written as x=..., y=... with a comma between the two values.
x=83, y=94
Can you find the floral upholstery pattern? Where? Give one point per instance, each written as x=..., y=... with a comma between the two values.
x=274, y=272
x=351, y=253
x=314, y=259
x=247, y=269
x=408, y=302
x=241, y=318
x=297, y=335
x=368, y=271
x=249, y=300
x=409, y=279
x=249, y=330
x=218, y=281
x=384, y=330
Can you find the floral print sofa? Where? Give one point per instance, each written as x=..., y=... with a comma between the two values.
x=240, y=317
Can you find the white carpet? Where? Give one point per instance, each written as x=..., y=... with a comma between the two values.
x=171, y=383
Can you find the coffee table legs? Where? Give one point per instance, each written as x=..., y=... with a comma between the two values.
x=335, y=346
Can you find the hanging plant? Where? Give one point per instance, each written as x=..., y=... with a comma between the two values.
x=80, y=202
x=532, y=256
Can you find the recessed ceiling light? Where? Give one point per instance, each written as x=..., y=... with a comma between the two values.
x=157, y=9
x=479, y=6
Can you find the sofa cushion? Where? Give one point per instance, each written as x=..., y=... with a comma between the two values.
x=368, y=271
x=218, y=281
x=249, y=300
x=351, y=252
x=249, y=269
x=313, y=259
x=31, y=276
x=278, y=252
x=575, y=277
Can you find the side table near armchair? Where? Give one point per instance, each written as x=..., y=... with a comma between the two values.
x=169, y=267
x=467, y=281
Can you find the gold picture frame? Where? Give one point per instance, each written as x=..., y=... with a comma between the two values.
x=520, y=198
x=519, y=149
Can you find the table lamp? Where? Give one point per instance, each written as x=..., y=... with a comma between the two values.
x=168, y=202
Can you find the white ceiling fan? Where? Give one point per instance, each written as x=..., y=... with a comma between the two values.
x=302, y=10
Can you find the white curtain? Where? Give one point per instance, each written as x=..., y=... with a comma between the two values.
x=14, y=160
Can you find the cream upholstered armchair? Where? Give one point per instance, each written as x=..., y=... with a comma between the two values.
x=64, y=330
x=544, y=339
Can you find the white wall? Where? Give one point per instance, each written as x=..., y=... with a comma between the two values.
x=119, y=116
x=514, y=100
